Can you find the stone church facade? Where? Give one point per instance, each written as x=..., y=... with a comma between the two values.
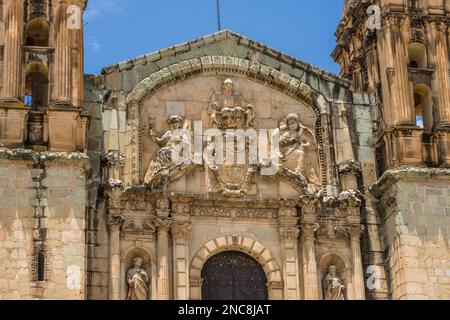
x=342, y=191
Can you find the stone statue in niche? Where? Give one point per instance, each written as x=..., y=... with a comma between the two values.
x=172, y=143
x=295, y=141
x=333, y=286
x=138, y=281
x=293, y=144
x=228, y=110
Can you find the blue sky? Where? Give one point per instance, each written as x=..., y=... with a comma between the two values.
x=117, y=30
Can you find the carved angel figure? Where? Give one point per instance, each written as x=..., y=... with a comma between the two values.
x=333, y=286
x=294, y=143
x=138, y=281
x=228, y=109
x=170, y=154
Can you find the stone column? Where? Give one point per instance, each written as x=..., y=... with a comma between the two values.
x=311, y=281
x=180, y=234
x=114, y=225
x=288, y=235
x=163, y=227
x=62, y=72
x=402, y=88
x=12, y=51
x=442, y=77
x=355, y=232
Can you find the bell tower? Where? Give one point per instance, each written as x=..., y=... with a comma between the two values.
x=405, y=63
x=42, y=75
x=398, y=50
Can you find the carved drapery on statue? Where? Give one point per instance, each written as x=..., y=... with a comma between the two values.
x=170, y=156
x=138, y=281
x=333, y=286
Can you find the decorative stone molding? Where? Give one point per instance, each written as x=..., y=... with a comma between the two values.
x=349, y=167
x=230, y=212
x=115, y=223
x=238, y=243
x=181, y=230
x=163, y=224
x=216, y=64
x=113, y=159
x=308, y=231
x=288, y=233
x=350, y=231
x=195, y=282
x=310, y=204
x=113, y=195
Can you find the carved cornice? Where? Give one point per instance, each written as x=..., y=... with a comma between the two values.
x=390, y=177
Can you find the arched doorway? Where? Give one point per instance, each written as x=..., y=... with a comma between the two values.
x=233, y=275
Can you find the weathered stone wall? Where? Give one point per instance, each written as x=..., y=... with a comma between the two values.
x=416, y=231
x=42, y=203
x=97, y=234
x=2, y=40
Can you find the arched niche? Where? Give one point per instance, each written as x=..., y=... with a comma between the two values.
x=36, y=85
x=243, y=244
x=37, y=33
x=417, y=53
x=150, y=266
x=423, y=107
x=343, y=268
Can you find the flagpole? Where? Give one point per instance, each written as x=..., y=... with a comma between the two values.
x=218, y=15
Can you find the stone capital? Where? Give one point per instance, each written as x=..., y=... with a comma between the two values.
x=355, y=231
x=113, y=159
x=181, y=231
x=308, y=230
x=310, y=204
x=288, y=233
x=163, y=224
x=115, y=222
x=349, y=167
